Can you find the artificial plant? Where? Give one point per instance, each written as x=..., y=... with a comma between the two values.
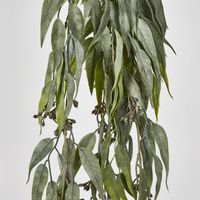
x=121, y=45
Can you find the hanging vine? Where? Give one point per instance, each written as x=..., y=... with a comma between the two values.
x=121, y=44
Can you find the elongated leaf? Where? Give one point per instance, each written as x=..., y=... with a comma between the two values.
x=52, y=191
x=142, y=186
x=79, y=62
x=90, y=70
x=118, y=59
x=103, y=24
x=88, y=4
x=110, y=183
x=49, y=9
x=144, y=67
x=124, y=23
x=131, y=9
x=88, y=141
x=120, y=188
x=158, y=170
x=60, y=109
x=50, y=67
x=91, y=166
x=145, y=36
x=45, y=96
x=159, y=15
x=99, y=80
x=76, y=21
x=70, y=93
x=162, y=142
x=39, y=182
x=40, y=152
x=72, y=192
x=105, y=150
x=123, y=162
x=106, y=44
x=57, y=40
x=156, y=95
x=133, y=88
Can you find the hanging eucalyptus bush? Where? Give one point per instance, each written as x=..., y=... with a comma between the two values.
x=121, y=45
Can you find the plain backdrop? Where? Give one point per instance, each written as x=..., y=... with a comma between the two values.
x=23, y=65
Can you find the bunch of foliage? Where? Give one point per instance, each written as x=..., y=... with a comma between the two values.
x=121, y=43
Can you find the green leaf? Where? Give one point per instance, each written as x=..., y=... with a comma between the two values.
x=90, y=70
x=50, y=67
x=49, y=9
x=105, y=150
x=158, y=170
x=103, y=23
x=72, y=192
x=60, y=109
x=131, y=9
x=111, y=185
x=145, y=36
x=159, y=15
x=79, y=62
x=88, y=141
x=123, y=162
x=144, y=67
x=133, y=88
x=162, y=142
x=39, y=182
x=142, y=186
x=57, y=41
x=44, y=99
x=91, y=166
x=52, y=191
x=99, y=80
x=106, y=44
x=124, y=22
x=40, y=152
x=70, y=93
x=76, y=21
x=156, y=95
x=87, y=5
x=130, y=147
x=119, y=58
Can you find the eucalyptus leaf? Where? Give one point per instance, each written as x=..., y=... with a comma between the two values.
x=158, y=170
x=57, y=41
x=79, y=62
x=40, y=152
x=88, y=141
x=39, y=182
x=91, y=166
x=99, y=80
x=76, y=21
x=52, y=191
x=103, y=23
x=49, y=9
x=123, y=162
x=111, y=184
x=162, y=142
x=72, y=192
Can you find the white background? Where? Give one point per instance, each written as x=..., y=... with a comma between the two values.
x=23, y=66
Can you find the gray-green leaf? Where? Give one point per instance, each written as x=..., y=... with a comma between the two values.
x=123, y=162
x=88, y=141
x=49, y=9
x=91, y=166
x=162, y=142
x=72, y=192
x=39, y=182
x=52, y=191
x=57, y=41
x=76, y=21
x=40, y=152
